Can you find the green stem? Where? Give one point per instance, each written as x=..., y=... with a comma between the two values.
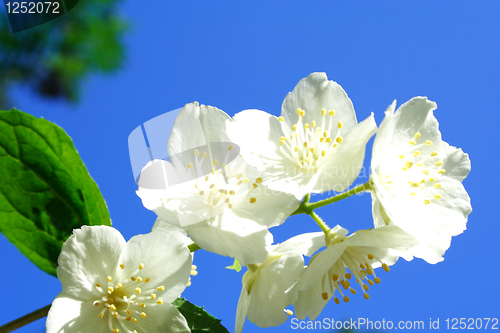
x=351, y=192
x=192, y=247
x=320, y=222
x=25, y=320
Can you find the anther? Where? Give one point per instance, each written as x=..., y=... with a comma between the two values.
x=325, y=296
x=434, y=153
x=223, y=191
x=437, y=197
x=348, y=275
x=190, y=165
x=138, y=290
x=328, y=140
x=253, y=200
x=441, y=171
x=110, y=290
x=146, y=280
x=401, y=157
x=365, y=287
x=205, y=155
x=142, y=305
x=161, y=288
x=323, y=112
x=159, y=301
x=331, y=113
x=417, y=135
x=426, y=202
x=281, y=119
x=134, y=320
x=196, y=152
x=143, y=315
x=408, y=164
x=202, y=192
x=110, y=279
x=426, y=172
x=339, y=139
x=439, y=163
x=366, y=296
x=231, y=192
x=313, y=123
x=98, y=285
x=377, y=280
x=370, y=282
x=258, y=180
x=339, y=125
x=122, y=266
x=153, y=296
x=352, y=291
x=346, y=299
x=385, y=267
x=336, y=300
x=416, y=153
x=335, y=277
x=116, y=330
x=141, y=266
x=370, y=256
x=411, y=142
x=437, y=185
x=428, y=143
x=96, y=304
x=289, y=312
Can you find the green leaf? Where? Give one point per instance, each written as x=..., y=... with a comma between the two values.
x=235, y=266
x=45, y=189
x=198, y=319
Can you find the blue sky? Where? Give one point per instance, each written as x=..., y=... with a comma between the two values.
x=240, y=56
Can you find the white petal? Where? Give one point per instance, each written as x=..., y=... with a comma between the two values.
x=230, y=235
x=70, y=315
x=343, y=167
x=242, y=310
x=166, y=259
x=306, y=244
x=271, y=208
x=388, y=237
x=310, y=303
x=258, y=135
x=268, y=292
x=88, y=257
x=315, y=93
x=162, y=318
x=320, y=265
x=195, y=126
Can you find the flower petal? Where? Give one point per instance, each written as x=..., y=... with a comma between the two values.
x=233, y=236
x=320, y=264
x=70, y=315
x=258, y=135
x=343, y=167
x=314, y=93
x=242, y=310
x=166, y=260
x=309, y=304
x=88, y=257
x=163, y=318
x=268, y=292
x=306, y=244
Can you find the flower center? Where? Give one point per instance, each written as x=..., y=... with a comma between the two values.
x=308, y=145
x=227, y=186
x=125, y=302
x=358, y=261
x=421, y=167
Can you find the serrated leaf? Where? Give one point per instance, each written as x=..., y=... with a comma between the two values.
x=45, y=189
x=199, y=321
x=235, y=266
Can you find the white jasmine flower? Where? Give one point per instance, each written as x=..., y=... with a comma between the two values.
x=263, y=298
x=222, y=205
x=347, y=259
x=113, y=286
x=417, y=179
x=316, y=145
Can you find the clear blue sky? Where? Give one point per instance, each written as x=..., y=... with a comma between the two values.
x=237, y=56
